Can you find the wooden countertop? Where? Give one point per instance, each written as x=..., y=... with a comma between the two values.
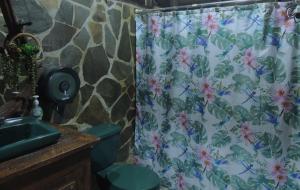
x=70, y=142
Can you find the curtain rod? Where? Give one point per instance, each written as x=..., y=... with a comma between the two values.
x=210, y=4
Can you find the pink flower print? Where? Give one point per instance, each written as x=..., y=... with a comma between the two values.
x=249, y=59
x=207, y=164
x=154, y=26
x=277, y=167
x=286, y=106
x=205, y=158
x=155, y=86
x=280, y=95
x=152, y=83
x=204, y=154
x=157, y=90
x=138, y=57
x=282, y=19
x=246, y=133
x=211, y=24
x=181, y=183
x=183, y=119
x=209, y=97
x=206, y=88
x=156, y=141
x=184, y=57
x=280, y=179
x=213, y=27
x=278, y=173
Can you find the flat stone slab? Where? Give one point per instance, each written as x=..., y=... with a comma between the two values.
x=110, y=42
x=59, y=36
x=86, y=92
x=81, y=14
x=70, y=56
x=82, y=39
x=109, y=90
x=94, y=114
x=30, y=11
x=124, y=52
x=121, y=70
x=120, y=108
x=95, y=64
x=96, y=32
x=115, y=21
x=99, y=14
x=65, y=12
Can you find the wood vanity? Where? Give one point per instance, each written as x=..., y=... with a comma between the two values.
x=61, y=166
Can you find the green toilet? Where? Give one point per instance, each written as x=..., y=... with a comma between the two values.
x=112, y=176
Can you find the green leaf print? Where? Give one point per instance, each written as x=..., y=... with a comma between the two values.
x=241, y=114
x=202, y=66
x=276, y=70
x=258, y=115
x=221, y=138
x=178, y=138
x=290, y=185
x=149, y=121
x=180, y=78
x=292, y=118
x=223, y=70
x=243, y=82
x=166, y=67
x=165, y=100
x=220, y=109
x=223, y=39
x=199, y=136
x=296, y=75
x=185, y=167
x=219, y=178
x=293, y=152
x=179, y=105
x=259, y=40
x=238, y=183
x=165, y=40
x=150, y=67
x=244, y=41
x=260, y=182
x=271, y=145
x=238, y=153
x=165, y=126
x=293, y=40
x=164, y=160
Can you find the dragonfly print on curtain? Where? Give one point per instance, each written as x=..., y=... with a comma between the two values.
x=218, y=98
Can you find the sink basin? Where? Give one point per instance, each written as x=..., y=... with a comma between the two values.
x=23, y=135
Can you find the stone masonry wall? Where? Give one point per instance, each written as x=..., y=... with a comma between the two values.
x=97, y=39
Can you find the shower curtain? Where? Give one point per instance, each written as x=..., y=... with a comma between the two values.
x=218, y=97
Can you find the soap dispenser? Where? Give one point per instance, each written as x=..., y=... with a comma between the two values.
x=37, y=111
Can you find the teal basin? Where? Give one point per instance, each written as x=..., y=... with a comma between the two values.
x=23, y=135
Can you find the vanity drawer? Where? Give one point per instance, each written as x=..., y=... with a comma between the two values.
x=70, y=173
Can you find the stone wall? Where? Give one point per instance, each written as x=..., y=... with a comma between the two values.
x=97, y=39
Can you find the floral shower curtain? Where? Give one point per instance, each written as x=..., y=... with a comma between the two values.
x=218, y=98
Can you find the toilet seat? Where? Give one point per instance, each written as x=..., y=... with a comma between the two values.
x=130, y=177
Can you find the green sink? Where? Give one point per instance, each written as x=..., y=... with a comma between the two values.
x=23, y=135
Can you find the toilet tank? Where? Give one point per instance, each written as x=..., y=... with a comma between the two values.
x=104, y=153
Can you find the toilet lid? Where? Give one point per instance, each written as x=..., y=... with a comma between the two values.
x=132, y=177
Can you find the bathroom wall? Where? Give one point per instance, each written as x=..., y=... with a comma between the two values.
x=97, y=39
